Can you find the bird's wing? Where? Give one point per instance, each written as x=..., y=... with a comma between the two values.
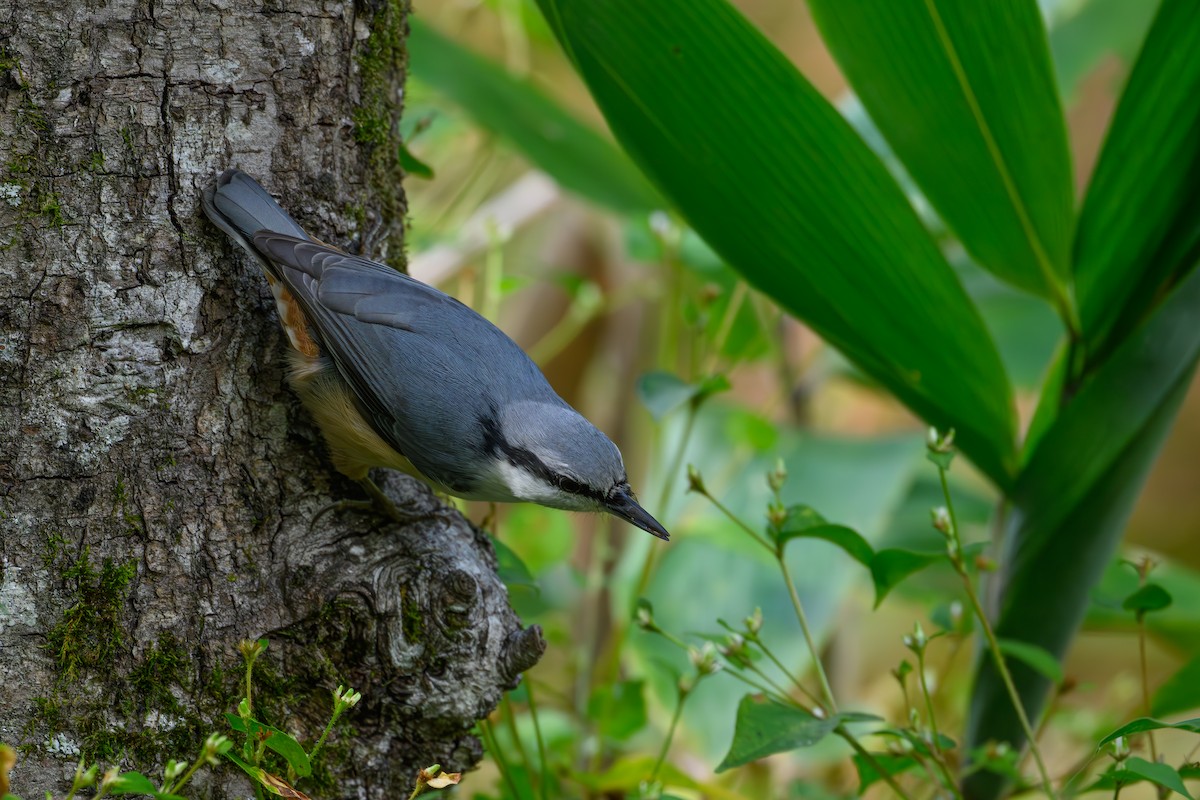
x=390, y=336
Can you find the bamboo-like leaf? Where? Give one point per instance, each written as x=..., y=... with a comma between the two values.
x=1072, y=501
x=578, y=158
x=965, y=94
x=780, y=186
x=1139, y=230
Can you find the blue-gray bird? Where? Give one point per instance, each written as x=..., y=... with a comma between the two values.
x=399, y=375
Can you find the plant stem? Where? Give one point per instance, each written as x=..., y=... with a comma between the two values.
x=939, y=757
x=731, y=312
x=183, y=780
x=1141, y=621
x=511, y=719
x=668, y=487
x=489, y=742
x=337, y=712
x=736, y=520
x=541, y=745
x=990, y=635
x=249, y=704
x=771, y=682
x=808, y=639
x=794, y=680
x=666, y=745
x=866, y=756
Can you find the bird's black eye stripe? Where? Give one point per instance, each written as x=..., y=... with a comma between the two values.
x=493, y=443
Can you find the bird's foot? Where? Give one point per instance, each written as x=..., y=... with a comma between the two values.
x=379, y=504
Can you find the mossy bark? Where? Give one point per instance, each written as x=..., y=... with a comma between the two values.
x=157, y=479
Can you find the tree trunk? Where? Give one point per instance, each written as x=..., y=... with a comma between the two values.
x=158, y=479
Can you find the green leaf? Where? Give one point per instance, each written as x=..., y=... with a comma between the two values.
x=509, y=566
x=765, y=727
x=1033, y=656
x=283, y=744
x=918, y=740
x=1179, y=692
x=803, y=522
x=1139, y=228
x=1073, y=499
x=132, y=783
x=272, y=783
x=1161, y=774
x=1144, y=724
x=891, y=566
x=1177, y=626
x=1150, y=597
x=618, y=709
x=276, y=740
x=776, y=181
x=965, y=95
x=575, y=156
x=661, y=392
x=411, y=164
x=1004, y=761
x=893, y=765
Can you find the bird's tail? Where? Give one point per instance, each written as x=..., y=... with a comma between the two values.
x=239, y=206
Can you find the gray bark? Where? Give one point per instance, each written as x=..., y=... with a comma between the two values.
x=157, y=478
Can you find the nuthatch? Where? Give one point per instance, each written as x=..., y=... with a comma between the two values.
x=398, y=374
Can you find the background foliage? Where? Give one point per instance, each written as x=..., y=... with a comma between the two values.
x=998, y=231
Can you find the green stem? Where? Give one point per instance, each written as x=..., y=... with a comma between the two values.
x=841, y=731
x=493, y=270
x=808, y=638
x=939, y=757
x=726, y=326
x=186, y=776
x=794, y=680
x=1141, y=620
x=770, y=682
x=783, y=698
x=666, y=745
x=511, y=719
x=665, y=497
x=990, y=635
x=736, y=520
x=541, y=745
x=489, y=742
x=337, y=712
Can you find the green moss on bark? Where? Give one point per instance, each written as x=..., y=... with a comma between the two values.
x=382, y=62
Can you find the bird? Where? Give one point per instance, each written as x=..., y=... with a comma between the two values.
x=400, y=375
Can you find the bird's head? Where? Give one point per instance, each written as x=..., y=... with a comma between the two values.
x=550, y=455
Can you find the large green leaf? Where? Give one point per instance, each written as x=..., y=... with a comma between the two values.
x=574, y=155
x=779, y=185
x=1072, y=501
x=1140, y=224
x=965, y=94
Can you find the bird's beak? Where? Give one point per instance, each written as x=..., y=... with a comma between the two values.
x=624, y=506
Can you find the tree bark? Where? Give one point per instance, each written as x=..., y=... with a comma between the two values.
x=158, y=479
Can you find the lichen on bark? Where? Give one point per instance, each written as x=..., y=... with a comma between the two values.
x=157, y=479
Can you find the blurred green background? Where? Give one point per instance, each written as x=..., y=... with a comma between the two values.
x=520, y=207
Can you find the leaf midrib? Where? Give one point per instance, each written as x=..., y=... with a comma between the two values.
x=1061, y=297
